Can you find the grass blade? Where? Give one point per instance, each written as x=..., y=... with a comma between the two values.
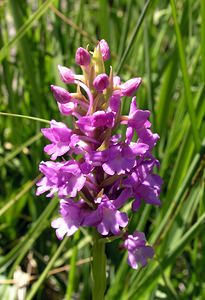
x=47, y=269
x=179, y=194
x=203, y=38
x=20, y=148
x=125, y=28
x=104, y=20
x=71, y=278
x=22, y=247
x=25, y=117
x=24, y=190
x=23, y=30
x=190, y=106
x=168, y=259
x=134, y=34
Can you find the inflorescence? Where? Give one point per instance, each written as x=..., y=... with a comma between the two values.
x=98, y=170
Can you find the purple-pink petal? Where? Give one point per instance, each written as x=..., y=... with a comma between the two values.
x=63, y=227
x=98, y=119
x=138, y=251
x=97, y=171
x=82, y=57
x=67, y=109
x=101, y=82
x=60, y=136
x=122, y=158
x=129, y=87
x=60, y=94
x=64, y=178
x=66, y=75
x=105, y=50
x=112, y=220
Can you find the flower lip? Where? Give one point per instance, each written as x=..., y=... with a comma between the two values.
x=65, y=178
x=82, y=57
x=101, y=82
x=138, y=251
x=60, y=137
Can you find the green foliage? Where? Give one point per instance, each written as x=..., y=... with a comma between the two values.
x=164, y=43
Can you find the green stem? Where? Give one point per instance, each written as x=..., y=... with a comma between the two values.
x=72, y=273
x=98, y=269
x=25, y=117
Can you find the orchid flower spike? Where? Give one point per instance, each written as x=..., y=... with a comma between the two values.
x=94, y=170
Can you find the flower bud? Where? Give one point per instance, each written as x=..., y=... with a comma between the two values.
x=66, y=75
x=67, y=109
x=101, y=82
x=61, y=95
x=105, y=50
x=82, y=57
x=129, y=87
x=114, y=103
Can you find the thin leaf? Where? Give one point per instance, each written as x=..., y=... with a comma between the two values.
x=23, y=30
x=190, y=106
x=134, y=34
x=44, y=275
x=25, y=117
x=71, y=278
x=20, y=148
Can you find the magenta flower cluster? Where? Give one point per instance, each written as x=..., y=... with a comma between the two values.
x=94, y=170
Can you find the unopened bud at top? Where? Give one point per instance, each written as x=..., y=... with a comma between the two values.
x=82, y=57
x=66, y=75
x=60, y=94
x=101, y=82
x=105, y=50
x=129, y=87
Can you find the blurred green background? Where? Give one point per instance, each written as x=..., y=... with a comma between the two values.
x=164, y=43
